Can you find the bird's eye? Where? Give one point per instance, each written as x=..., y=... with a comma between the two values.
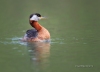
x=35, y=14
x=38, y=14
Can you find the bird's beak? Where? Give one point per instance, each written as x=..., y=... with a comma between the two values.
x=42, y=18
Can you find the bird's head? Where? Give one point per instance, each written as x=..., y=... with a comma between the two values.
x=36, y=17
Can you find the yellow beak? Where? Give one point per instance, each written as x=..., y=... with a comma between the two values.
x=42, y=18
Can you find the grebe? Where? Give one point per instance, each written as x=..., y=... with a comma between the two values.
x=38, y=33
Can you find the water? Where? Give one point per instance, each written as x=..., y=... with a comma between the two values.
x=74, y=28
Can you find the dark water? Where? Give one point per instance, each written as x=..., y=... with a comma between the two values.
x=75, y=38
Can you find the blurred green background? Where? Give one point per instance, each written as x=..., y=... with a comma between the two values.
x=75, y=38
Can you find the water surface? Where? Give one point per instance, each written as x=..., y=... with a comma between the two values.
x=74, y=28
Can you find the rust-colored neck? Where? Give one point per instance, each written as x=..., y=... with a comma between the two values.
x=36, y=25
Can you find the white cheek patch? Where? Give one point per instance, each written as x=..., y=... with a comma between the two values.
x=35, y=18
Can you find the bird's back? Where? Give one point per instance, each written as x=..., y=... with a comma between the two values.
x=32, y=33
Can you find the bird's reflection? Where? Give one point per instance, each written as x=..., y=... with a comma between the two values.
x=39, y=52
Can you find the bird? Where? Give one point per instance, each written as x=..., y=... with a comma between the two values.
x=38, y=33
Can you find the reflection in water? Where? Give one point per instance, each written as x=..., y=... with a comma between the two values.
x=39, y=52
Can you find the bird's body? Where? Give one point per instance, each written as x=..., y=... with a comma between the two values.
x=39, y=33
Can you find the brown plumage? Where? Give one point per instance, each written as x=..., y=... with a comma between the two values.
x=42, y=33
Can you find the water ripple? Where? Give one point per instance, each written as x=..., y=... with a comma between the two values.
x=58, y=41
x=14, y=40
x=17, y=40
